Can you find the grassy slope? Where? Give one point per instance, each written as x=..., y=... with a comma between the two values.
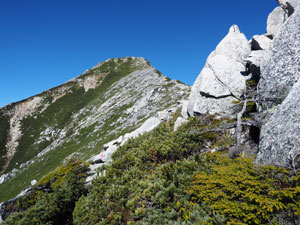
x=58, y=115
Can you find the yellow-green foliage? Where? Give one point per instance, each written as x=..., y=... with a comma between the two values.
x=58, y=176
x=251, y=82
x=245, y=193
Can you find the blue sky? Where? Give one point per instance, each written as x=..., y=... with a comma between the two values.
x=44, y=43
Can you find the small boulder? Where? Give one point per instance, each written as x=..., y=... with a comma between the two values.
x=33, y=182
x=179, y=122
x=260, y=42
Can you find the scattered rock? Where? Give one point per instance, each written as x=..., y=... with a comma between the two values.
x=109, y=148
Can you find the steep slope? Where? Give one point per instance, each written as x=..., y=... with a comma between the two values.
x=79, y=117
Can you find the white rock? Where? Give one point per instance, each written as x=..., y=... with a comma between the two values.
x=33, y=182
x=184, y=110
x=260, y=42
x=148, y=125
x=163, y=116
x=179, y=122
x=254, y=61
x=289, y=6
x=220, y=82
x=275, y=20
x=280, y=136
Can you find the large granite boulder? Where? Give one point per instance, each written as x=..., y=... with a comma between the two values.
x=275, y=20
x=281, y=66
x=280, y=136
x=222, y=80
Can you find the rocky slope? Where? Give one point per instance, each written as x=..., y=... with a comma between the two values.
x=271, y=108
x=77, y=118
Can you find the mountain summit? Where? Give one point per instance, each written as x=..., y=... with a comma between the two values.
x=78, y=117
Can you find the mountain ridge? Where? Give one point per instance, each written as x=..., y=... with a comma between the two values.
x=113, y=98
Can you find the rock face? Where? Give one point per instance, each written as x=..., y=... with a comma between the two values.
x=280, y=136
x=221, y=81
x=279, y=91
x=281, y=68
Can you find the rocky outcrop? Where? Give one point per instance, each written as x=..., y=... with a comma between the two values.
x=281, y=68
x=275, y=20
x=280, y=136
x=280, y=14
x=279, y=91
x=289, y=6
x=274, y=61
x=221, y=82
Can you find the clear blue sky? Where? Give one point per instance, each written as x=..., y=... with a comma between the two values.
x=44, y=43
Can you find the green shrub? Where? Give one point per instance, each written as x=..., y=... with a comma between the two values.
x=53, y=198
x=147, y=179
x=245, y=193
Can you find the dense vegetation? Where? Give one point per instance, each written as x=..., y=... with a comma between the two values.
x=53, y=198
x=166, y=177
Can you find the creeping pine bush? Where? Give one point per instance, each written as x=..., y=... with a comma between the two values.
x=53, y=198
x=147, y=179
x=167, y=177
x=245, y=193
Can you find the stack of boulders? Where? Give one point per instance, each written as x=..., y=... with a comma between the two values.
x=273, y=60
